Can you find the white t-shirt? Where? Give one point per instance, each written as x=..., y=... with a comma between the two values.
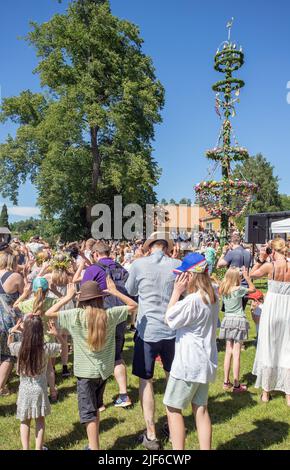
x=196, y=354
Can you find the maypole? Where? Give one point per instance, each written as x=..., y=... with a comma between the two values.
x=229, y=197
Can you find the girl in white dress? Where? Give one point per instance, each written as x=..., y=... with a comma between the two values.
x=272, y=361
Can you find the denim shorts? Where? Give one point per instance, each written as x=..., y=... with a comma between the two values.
x=179, y=393
x=145, y=354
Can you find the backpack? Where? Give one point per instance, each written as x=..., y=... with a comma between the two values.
x=119, y=275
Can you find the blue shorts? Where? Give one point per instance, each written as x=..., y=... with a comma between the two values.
x=145, y=354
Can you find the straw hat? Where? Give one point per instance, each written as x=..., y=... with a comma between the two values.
x=90, y=290
x=164, y=236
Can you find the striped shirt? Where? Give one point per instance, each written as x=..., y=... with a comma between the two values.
x=90, y=364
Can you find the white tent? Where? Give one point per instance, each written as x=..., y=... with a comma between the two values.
x=281, y=226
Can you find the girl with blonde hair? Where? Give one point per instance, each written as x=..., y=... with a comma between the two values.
x=272, y=361
x=93, y=332
x=234, y=327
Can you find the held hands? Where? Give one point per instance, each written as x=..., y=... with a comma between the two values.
x=181, y=283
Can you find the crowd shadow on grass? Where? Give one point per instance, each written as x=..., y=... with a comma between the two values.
x=221, y=411
x=249, y=379
x=8, y=410
x=78, y=434
x=266, y=433
x=63, y=392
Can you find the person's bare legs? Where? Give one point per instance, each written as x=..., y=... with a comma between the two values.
x=176, y=428
x=146, y=394
x=64, y=350
x=265, y=396
x=228, y=361
x=236, y=362
x=25, y=433
x=203, y=426
x=93, y=433
x=39, y=432
x=50, y=374
x=120, y=373
x=5, y=371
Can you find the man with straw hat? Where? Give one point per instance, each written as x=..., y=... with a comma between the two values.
x=151, y=278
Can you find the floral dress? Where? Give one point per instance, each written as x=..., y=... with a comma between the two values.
x=33, y=399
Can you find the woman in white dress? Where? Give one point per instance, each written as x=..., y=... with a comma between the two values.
x=272, y=361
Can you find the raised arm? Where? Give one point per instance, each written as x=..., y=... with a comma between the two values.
x=251, y=288
x=52, y=312
x=112, y=290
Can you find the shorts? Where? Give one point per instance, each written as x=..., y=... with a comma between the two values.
x=90, y=398
x=120, y=340
x=7, y=358
x=145, y=354
x=179, y=393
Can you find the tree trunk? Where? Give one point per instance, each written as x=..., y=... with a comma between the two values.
x=96, y=173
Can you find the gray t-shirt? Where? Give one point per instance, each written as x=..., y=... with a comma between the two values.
x=152, y=279
x=238, y=258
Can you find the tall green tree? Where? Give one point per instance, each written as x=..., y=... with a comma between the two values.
x=4, y=219
x=258, y=170
x=88, y=135
x=285, y=202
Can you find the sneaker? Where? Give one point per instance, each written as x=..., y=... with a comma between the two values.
x=122, y=402
x=65, y=372
x=149, y=444
x=240, y=389
x=44, y=448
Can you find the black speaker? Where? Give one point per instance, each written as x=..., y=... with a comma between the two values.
x=256, y=230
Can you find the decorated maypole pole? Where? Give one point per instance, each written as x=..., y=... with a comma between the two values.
x=228, y=197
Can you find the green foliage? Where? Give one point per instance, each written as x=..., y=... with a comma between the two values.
x=186, y=201
x=4, y=220
x=258, y=170
x=285, y=202
x=88, y=135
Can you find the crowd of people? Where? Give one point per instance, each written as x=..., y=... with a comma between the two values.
x=85, y=295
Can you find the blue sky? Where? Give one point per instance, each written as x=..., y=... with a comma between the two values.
x=182, y=37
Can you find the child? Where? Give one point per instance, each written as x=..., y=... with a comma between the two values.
x=38, y=305
x=93, y=332
x=234, y=327
x=33, y=353
x=195, y=361
x=257, y=299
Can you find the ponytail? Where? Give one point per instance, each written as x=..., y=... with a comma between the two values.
x=38, y=304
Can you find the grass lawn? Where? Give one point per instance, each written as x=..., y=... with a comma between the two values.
x=239, y=421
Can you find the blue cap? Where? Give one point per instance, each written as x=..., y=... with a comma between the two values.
x=194, y=262
x=40, y=283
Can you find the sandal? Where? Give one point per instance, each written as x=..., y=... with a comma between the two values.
x=53, y=397
x=240, y=389
x=5, y=392
x=227, y=386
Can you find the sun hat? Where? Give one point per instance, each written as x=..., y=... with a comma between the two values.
x=194, y=263
x=156, y=236
x=40, y=283
x=258, y=295
x=90, y=290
